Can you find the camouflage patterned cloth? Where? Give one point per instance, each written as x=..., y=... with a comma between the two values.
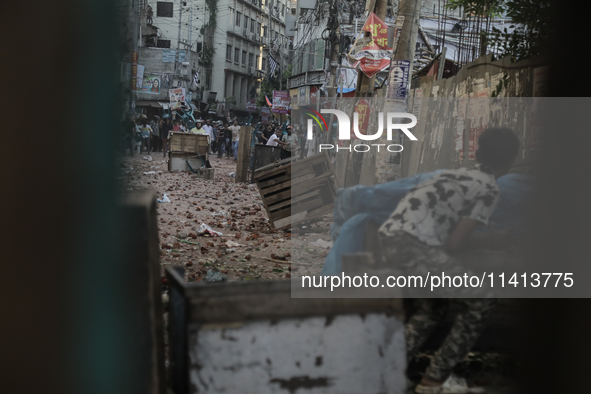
x=413, y=257
x=404, y=252
x=466, y=329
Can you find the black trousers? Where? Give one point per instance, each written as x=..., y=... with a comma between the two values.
x=285, y=154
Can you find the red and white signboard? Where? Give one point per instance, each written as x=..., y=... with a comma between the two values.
x=375, y=56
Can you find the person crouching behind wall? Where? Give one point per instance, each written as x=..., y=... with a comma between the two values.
x=433, y=220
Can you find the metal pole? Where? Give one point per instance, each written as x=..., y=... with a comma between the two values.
x=334, y=52
x=134, y=53
x=178, y=44
x=410, y=10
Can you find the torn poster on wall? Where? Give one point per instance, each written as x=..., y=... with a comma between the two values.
x=478, y=121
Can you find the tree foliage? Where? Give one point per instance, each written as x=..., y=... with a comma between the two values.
x=268, y=85
x=530, y=21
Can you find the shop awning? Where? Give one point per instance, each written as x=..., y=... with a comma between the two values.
x=148, y=103
x=164, y=104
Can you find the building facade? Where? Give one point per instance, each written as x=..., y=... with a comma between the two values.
x=232, y=40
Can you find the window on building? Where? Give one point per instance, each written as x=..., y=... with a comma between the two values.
x=244, y=58
x=238, y=16
x=258, y=29
x=250, y=60
x=229, y=53
x=164, y=9
x=252, y=25
x=264, y=31
x=282, y=9
x=245, y=22
x=236, y=55
x=163, y=43
x=257, y=61
x=264, y=64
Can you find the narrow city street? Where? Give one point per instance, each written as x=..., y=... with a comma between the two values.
x=249, y=249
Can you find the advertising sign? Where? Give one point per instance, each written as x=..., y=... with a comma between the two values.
x=398, y=79
x=177, y=96
x=362, y=109
x=375, y=56
x=251, y=105
x=150, y=84
x=281, y=101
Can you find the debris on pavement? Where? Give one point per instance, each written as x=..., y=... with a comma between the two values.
x=164, y=198
x=205, y=230
x=244, y=221
x=215, y=276
x=320, y=243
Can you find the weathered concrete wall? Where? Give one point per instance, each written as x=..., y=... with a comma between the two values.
x=501, y=89
x=151, y=59
x=345, y=354
x=505, y=91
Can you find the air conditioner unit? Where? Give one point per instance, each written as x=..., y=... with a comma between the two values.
x=245, y=32
x=251, y=70
x=254, y=37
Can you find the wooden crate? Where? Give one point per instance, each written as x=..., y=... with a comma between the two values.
x=295, y=191
x=205, y=173
x=189, y=143
x=177, y=161
x=265, y=155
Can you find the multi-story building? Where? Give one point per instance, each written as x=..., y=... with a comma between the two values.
x=309, y=49
x=233, y=39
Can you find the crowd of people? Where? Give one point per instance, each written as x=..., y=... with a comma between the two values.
x=152, y=135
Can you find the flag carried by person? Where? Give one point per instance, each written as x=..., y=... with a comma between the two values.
x=272, y=65
x=269, y=103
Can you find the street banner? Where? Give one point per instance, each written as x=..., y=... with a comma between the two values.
x=251, y=105
x=281, y=101
x=139, y=78
x=398, y=79
x=149, y=84
x=177, y=96
x=169, y=56
x=134, y=65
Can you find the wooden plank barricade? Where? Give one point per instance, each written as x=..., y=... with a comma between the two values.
x=295, y=191
x=189, y=143
x=192, y=149
x=253, y=337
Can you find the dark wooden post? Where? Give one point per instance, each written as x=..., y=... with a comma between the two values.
x=243, y=154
